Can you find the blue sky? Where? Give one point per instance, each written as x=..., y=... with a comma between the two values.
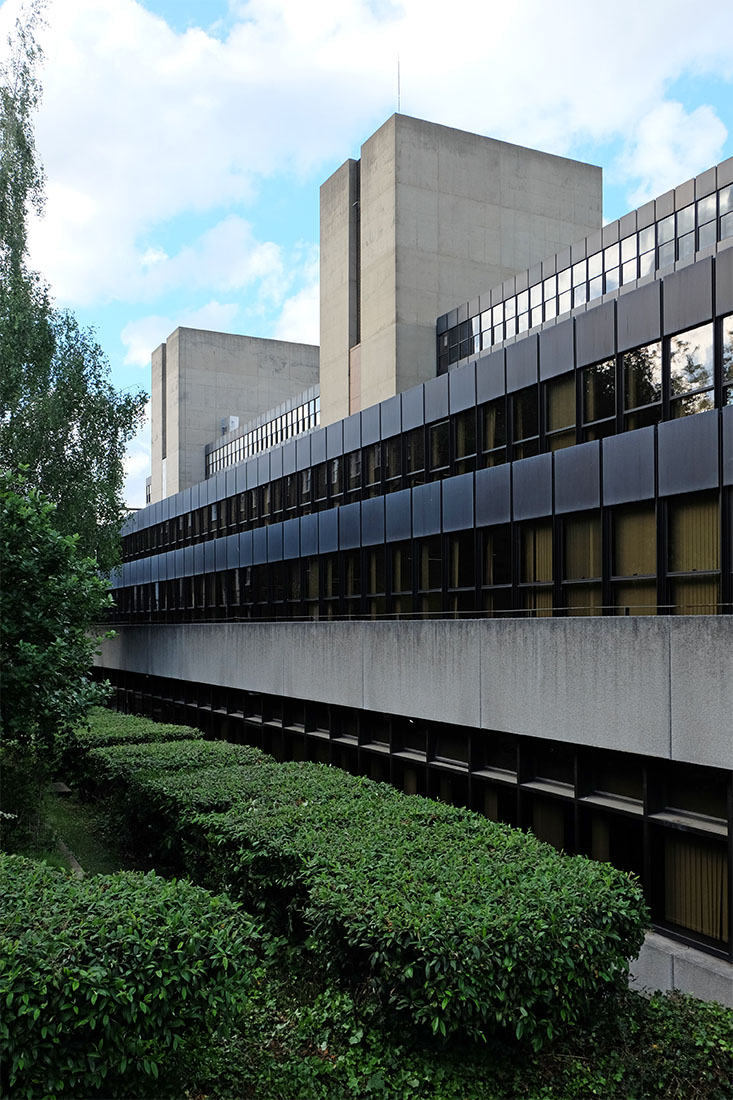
x=184, y=141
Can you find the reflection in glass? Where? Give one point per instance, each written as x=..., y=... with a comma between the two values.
x=685, y=220
x=691, y=360
x=525, y=421
x=560, y=411
x=706, y=209
x=686, y=246
x=599, y=391
x=563, y=281
x=497, y=556
x=665, y=229
x=439, y=445
x=642, y=376
x=646, y=239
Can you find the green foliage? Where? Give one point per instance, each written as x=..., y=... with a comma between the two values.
x=60, y=418
x=109, y=727
x=103, y=980
x=453, y=923
x=50, y=599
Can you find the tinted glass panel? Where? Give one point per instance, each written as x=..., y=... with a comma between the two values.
x=642, y=376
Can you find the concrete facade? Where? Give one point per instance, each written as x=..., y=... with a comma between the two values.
x=440, y=212
x=199, y=377
x=468, y=672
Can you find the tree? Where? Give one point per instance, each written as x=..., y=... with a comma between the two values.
x=60, y=417
x=50, y=599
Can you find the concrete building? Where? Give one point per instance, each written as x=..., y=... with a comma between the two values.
x=509, y=586
x=201, y=379
x=423, y=218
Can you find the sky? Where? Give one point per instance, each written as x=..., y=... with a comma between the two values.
x=184, y=141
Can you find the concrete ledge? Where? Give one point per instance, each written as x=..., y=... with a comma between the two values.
x=664, y=964
x=661, y=686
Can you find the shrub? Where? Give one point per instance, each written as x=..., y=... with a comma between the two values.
x=458, y=924
x=109, y=727
x=102, y=980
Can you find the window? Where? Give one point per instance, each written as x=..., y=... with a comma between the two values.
x=376, y=587
x=582, y=564
x=525, y=423
x=352, y=583
x=496, y=580
x=635, y=560
x=693, y=895
x=401, y=577
x=693, y=547
x=560, y=412
x=464, y=441
x=331, y=588
x=373, y=469
x=353, y=475
x=642, y=371
x=393, y=463
x=439, y=444
x=430, y=575
x=462, y=573
x=728, y=360
x=691, y=371
x=415, y=456
x=599, y=400
x=536, y=568
x=493, y=424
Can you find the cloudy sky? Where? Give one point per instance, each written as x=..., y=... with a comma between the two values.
x=184, y=141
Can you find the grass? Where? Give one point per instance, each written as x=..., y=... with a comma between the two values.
x=78, y=825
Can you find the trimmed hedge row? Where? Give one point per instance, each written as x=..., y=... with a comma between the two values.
x=103, y=980
x=109, y=727
x=457, y=923
x=103, y=766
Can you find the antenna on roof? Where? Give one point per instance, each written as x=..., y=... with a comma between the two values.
x=398, y=83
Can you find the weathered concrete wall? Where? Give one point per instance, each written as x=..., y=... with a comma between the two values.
x=338, y=286
x=657, y=686
x=664, y=964
x=210, y=375
x=444, y=214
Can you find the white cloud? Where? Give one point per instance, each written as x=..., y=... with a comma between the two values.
x=141, y=124
x=137, y=464
x=142, y=336
x=299, y=318
x=669, y=146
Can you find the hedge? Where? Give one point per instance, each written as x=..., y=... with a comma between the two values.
x=103, y=980
x=458, y=924
x=108, y=727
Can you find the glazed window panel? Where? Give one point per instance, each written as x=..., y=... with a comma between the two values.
x=525, y=418
x=430, y=565
x=642, y=376
x=694, y=534
x=493, y=421
x=393, y=460
x=727, y=357
x=696, y=886
x=497, y=555
x=462, y=561
x=635, y=542
x=560, y=411
x=691, y=362
x=373, y=467
x=402, y=567
x=536, y=552
x=464, y=440
x=599, y=391
x=582, y=545
x=439, y=441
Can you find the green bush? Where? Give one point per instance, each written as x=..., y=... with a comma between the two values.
x=103, y=980
x=109, y=727
x=456, y=923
